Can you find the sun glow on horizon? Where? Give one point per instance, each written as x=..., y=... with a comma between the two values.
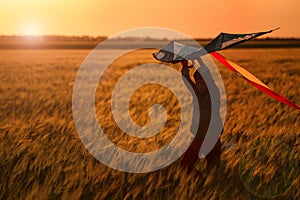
x=31, y=28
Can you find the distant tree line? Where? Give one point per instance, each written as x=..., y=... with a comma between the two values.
x=54, y=38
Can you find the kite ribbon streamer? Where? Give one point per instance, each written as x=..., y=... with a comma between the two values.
x=253, y=80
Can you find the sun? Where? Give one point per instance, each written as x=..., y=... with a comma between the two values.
x=31, y=29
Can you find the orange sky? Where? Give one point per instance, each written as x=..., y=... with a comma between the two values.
x=196, y=18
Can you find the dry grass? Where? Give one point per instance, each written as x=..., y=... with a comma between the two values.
x=42, y=156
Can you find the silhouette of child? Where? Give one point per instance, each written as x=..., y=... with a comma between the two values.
x=204, y=102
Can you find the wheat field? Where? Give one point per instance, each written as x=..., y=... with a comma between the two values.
x=42, y=156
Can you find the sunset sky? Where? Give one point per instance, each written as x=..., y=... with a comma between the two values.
x=196, y=18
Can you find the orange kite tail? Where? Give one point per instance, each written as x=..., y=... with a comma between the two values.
x=253, y=80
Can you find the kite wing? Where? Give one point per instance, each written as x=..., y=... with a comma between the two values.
x=226, y=40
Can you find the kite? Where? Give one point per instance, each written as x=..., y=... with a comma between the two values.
x=175, y=52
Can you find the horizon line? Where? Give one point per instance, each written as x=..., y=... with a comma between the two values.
x=132, y=37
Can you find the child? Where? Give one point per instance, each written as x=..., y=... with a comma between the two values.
x=204, y=102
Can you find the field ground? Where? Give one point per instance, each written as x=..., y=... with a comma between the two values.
x=42, y=156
